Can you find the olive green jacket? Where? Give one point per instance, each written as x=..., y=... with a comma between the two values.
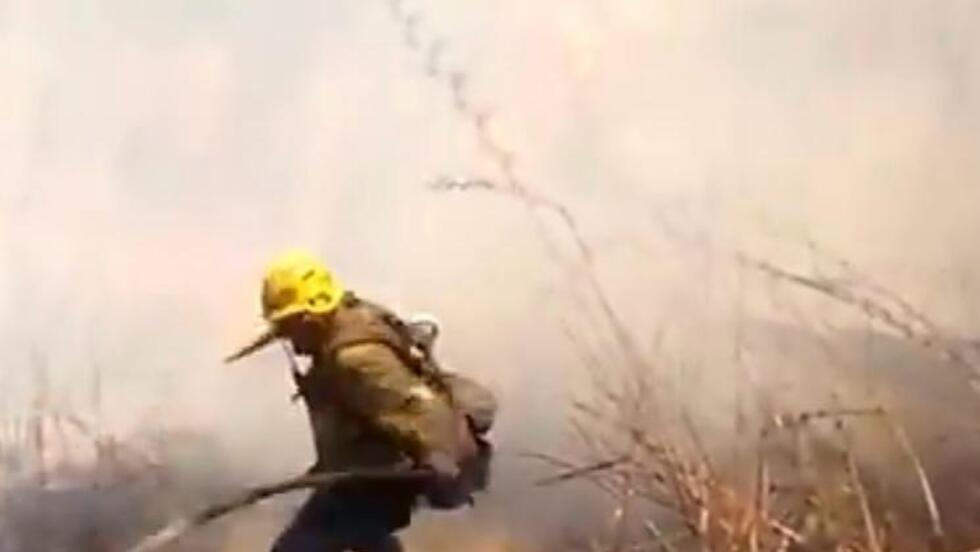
x=368, y=405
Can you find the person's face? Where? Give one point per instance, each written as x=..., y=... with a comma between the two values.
x=302, y=331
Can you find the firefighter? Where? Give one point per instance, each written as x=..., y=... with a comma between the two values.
x=373, y=402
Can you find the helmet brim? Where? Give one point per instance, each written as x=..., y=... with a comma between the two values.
x=278, y=315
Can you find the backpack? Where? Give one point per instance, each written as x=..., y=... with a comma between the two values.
x=416, y=342
x=473, y=400
x=413, y=342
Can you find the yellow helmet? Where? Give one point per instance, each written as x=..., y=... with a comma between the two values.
x=295, y=282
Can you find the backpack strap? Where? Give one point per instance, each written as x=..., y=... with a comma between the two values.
x=358, y=321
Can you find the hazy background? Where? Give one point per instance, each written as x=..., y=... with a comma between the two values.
x=154, y=155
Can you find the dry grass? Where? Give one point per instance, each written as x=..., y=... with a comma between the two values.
x=790, y=501
x=804, y=485
x=805, y=488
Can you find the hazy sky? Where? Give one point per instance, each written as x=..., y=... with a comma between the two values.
x=153, y=155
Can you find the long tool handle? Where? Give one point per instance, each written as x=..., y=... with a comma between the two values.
x=179, y=527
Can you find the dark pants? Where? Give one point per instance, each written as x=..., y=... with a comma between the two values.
x=355, y=517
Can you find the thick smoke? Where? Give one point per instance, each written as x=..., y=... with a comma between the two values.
x=156, y=154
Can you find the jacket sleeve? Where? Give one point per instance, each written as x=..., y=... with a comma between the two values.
x=374, y=383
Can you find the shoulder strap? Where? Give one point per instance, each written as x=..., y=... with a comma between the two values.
x=359, y=321
x=355, y=322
